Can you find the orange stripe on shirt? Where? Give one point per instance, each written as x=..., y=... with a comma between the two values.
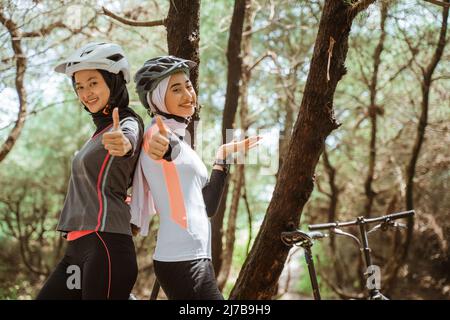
x=176, y=198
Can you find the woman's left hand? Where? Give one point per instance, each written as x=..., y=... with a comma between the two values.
x=115, y=141
x=228, y=149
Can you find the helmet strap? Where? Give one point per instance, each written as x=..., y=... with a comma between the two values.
x=106, y=110
x=175, y=117
x=171, y=116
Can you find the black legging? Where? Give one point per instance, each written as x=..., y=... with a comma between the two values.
x=108, y=267
x=185, y=280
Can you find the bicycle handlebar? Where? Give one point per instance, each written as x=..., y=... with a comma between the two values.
x=360, y=220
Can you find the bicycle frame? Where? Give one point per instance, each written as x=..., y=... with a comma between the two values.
x=305, y=240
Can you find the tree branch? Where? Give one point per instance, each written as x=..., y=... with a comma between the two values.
x=45, y=30
x=21, y=65
x=340, y=292
x=249, y=215
x=361, y=5
x=34, y=112
x=439, y=3
x=267, y=54
x=134, y=23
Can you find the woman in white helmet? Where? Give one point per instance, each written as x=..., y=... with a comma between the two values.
x=100, y=259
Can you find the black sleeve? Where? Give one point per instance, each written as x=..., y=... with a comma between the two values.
x=212, y=191
x=174, y=148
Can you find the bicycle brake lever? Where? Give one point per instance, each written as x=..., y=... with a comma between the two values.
x=384, y=226
x=376, y=228
x=400, y=225
x=342, y=233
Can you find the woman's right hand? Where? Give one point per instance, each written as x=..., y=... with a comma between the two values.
x=158, y=144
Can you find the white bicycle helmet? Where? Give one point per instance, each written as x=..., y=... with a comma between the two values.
x=96, y=55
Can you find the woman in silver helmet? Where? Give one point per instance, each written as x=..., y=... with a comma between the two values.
x=172, y=181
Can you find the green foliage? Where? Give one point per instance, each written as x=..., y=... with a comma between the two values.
x=37, y=170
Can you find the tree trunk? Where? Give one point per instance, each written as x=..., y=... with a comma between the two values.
x=423, y=121
x=427, y=74
x=21, y=65
x=262, y=268
x=334, y=194
x=227, y=254
x=332, y=215
x=183, y=37
x=285, y=136
x=234, y=59
x=373, y=112
x=249, y=218
x=239, y=173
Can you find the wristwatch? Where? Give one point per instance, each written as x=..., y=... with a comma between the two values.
x=224, y=164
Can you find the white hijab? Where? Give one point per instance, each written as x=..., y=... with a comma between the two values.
x=142, y=204
x=158, y=99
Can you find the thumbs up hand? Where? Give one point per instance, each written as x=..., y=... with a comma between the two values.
x=161, y=127
x=158, y=144
x=115, y=141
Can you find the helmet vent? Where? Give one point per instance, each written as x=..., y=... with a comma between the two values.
x=115, y=57
x=86, y=52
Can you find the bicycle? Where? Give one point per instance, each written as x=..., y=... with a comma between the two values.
x=306, y=241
